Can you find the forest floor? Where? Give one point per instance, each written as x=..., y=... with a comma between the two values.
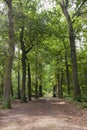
x=44, y=114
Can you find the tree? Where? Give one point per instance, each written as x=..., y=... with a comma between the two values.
x=19, y=94
x=29, y=82
x=47, y=30
x=8, y=68
x=25, y=36
x=23, y=91
x=64, y=5
x=67, y=70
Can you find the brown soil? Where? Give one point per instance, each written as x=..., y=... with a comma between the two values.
x=44, y=114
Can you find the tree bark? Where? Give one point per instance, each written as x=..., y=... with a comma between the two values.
x=19, y=84
x=2, y=86
x=73, y=51
x=67, y=73
x=23, y=91
x=40, y=82
x=18, y=91
x=54, y=91
x=12, y=93
x=29, y=82
x=85, y=75
x=36, y=88
x=60, y=92
x=8, y=67
x=24, y=57
x=40, y=91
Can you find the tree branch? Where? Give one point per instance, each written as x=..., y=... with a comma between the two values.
x=77, y=13
x=7, y=2
x=83, y=2
x=29, y=49
x=67, y=2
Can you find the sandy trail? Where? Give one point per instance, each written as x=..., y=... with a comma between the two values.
x=44, y=114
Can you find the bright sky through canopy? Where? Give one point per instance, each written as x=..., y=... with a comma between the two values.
x=46, y=5
x=1, y=5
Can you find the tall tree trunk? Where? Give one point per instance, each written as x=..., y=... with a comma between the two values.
x=23, y=91
x=29, y=82
x=54, y=91
x=40, y=91
x=36, y=67
x=18, y=91
x=2, y=80
x=40, y=85
x=67, y=73
x=12, y=93
x=18, y=84
x=36, y=88
x=60, y=78
x=8, y=68
x=2, y=85
x=72, y=50
x=85, y=75
x=67, y=76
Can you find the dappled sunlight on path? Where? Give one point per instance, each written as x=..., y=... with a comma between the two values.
x=43, y=114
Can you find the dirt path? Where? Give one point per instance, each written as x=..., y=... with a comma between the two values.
x=44, y=114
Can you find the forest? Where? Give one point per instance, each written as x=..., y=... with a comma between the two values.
x=43, y=50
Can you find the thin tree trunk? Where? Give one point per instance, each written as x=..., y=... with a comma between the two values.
x=23, y=94
x=18, y=84
x=40, y=85
x=29, y=82
x=19, y=96
x=40, y=91
x=54, y=91
x=59, y=87
x=2, y=85
x=67, y=73
x=2, y=79
x=12, y=93
x=8, y=68
x=36, y=67
x=60, y=79
x=23, y=91
x=36, y=88
x=85, y=75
